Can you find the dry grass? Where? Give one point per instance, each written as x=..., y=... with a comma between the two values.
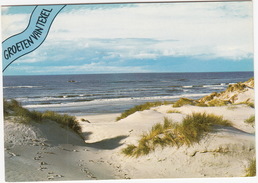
x=217, y=102
x=14, y=108
x=191, y=130
x=232, y=107
x=251, y=169
x=184, y=101
x=250, y=104
x=214, y=99
x=208, y=97
x=142, y=107
x=222, y=98
x=173, y=111
x=236, y=87
x=250, y=120
x=63, y=119
x=250, y=82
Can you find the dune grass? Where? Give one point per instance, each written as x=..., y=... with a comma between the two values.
x=231, y=107
x=184, y=101
x=206, y=102
x=191, y=130
x=251, y=104
x=14, y=108
x=212, y=100
x=173, y=111
x=251, y=169
x=236, y=87
x=142, y=107
x=208, y=97
x=217, y=102
x=250, y=120
x=158, y=135
x=63, y=119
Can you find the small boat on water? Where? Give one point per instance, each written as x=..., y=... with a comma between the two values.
x=71, y=81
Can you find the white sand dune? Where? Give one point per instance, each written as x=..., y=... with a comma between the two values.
x=223, y=153
x=40, y=152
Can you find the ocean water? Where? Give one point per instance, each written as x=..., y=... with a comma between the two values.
x=112, y=93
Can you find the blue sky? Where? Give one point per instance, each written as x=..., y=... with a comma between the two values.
x=174, y=37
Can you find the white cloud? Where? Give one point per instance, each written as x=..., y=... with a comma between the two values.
x=13, y=24
x=33, y=57
x=198, y=27
x=205, y=30
x=86, y=68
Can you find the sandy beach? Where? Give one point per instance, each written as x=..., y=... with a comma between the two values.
x=201, y=160
x=46, y=151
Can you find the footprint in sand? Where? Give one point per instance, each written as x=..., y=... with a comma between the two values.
x=42, y=168
x=88, y=173
x=37, y=157
x=52, y=176
x=12, y=154
x=43, y=163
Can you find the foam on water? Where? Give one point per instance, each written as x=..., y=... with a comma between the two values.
x=105, y=93
x=6, y=87
x=114, y=100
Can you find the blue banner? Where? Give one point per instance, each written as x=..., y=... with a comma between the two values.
x=32, y=37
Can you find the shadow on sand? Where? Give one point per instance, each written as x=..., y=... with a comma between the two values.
x=107, y=144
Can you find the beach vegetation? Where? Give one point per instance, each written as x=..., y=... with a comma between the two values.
x=251, y=104
x=223, y=98
x=250, y=120
x=250, y=82
x=23, y=115
x=208, y=97
x=129, y=150
x=236, y=87
x=64, y=119
x=251, y=169
x=212, y=100
x=14, y=108
x=201, y=104
x=184, y=101
x=217, y=102
x=191, y=130
x=142, y=107
x=10, y=106
x=173, y=111
x=232, y=107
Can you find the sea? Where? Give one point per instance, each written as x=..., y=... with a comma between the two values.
x=91, y=94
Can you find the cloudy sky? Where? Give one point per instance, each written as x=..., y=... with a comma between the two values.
x=133, y=38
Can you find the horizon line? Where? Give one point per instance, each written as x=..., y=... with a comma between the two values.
x=125, y=73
